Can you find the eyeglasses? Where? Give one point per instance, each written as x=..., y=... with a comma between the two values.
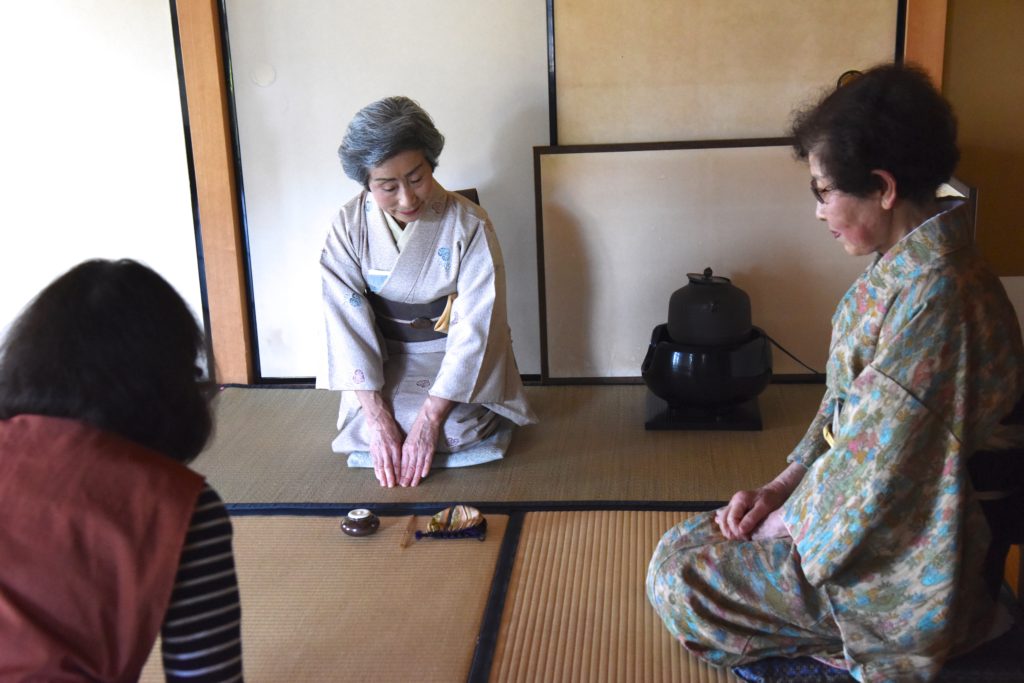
x=821, y=192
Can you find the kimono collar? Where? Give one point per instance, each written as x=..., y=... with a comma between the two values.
x=943, y=233
x=428, y=219
x=400, y=234
x=385, y=250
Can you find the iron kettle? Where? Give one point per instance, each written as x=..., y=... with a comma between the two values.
x=709, y=311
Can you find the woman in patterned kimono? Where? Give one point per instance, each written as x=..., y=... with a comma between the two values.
x=866, y=552
x=414, y=295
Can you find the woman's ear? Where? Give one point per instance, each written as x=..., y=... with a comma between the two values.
x=886, y=187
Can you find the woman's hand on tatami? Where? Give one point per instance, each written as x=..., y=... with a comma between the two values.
x=386, y=450
x=418, y=450
x=386, y=437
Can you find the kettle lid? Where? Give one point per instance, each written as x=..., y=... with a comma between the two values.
x=707, y=278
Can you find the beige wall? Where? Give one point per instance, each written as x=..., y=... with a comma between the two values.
x=983, y=77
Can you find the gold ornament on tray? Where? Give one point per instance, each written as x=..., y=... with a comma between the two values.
x=458, y=521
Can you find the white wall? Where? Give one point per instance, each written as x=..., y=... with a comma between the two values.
x=93, y=145
x=302, y=69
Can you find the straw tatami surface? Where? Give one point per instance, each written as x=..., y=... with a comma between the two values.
x=561, y=600
x=320, y=606
x=576, y=610
x=555, y=593
x=273, y=446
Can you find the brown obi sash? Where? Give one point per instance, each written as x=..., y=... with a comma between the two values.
x=407, y=322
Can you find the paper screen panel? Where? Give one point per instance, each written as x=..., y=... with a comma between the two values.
x=302, y=70
x=705, y=69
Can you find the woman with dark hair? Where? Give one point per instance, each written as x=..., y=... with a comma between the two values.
x=414, y=296
x=866, y=552
x=108, y=538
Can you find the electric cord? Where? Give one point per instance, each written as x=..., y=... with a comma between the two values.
x=781, y=348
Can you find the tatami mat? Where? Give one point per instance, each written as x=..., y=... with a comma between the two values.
x=318, y=605
x=576, y=609
x=273, y=446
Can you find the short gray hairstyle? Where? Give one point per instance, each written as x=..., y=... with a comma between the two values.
x=383, y=129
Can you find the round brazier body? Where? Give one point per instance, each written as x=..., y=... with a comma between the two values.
x=707, y=376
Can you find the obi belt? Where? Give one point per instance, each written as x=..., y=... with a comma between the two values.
x=406, y=322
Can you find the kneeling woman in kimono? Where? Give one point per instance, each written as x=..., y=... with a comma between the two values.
x=414, y=294
x=867, y=550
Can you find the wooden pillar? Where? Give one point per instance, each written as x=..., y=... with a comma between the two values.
x=926, y=36
x=216, y=187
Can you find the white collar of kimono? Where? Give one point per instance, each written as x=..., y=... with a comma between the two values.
x=434, y=209
x=401, y=235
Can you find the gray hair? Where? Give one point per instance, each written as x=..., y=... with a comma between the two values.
x=383, y=129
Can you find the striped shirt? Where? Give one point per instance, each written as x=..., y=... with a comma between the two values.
x=201, y=633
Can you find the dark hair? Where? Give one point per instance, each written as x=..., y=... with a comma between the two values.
x=112, y=344
x=889, y=118
x=383, y=129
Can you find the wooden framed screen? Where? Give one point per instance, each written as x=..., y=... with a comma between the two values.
x=620, y=228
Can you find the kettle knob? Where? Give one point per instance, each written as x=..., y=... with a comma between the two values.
x=707, y=273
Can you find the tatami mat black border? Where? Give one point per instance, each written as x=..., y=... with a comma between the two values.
x=490, y=507
x=490, y=625
x=528, y=380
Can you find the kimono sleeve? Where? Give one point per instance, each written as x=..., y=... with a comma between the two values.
x=886, y=485
x=355, y=357
x=474, y=365
x=813, y=444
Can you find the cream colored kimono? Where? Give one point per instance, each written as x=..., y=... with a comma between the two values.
x=452, y=249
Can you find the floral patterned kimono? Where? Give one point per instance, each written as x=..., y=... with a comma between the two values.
x=883, y=570
x=429, y=318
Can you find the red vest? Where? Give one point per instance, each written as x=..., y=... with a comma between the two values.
x=91, y=532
